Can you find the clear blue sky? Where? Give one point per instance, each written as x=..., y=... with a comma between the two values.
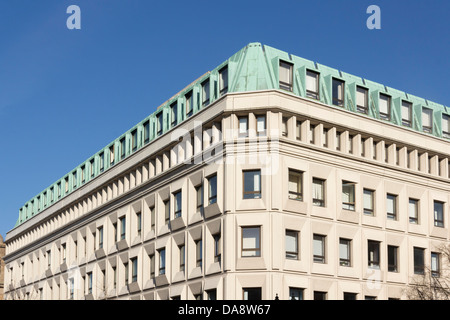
x=65, y=94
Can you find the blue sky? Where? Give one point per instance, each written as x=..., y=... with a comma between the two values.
x=65, y=94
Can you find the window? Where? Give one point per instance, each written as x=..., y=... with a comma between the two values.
x=298, y=130
x=350, y=296
x=63, y=252
x=338, y=92
x=419, y=260
x=368, y=202
x=325, y=137
x=189, y=104
x=178, y=204
x=217, y=248
x=348, y=195
x=373, y=254
x=392, y=258
x=111, y=155
x=338, y=140
x=320, y=295
x=413, y=208
x=350, y=143
x=318, y=192
x=102, y=161
x=212, y=189
x=251, y=293
x=152, y=218
x=385, y=107
x=125, y=265
x=370, y=298
x=152, y=266
x=260, y=125
x=134, y=269
x=427, y=120
x=284, y=126
x=319, y=248
x=205, y=93
x=66, y=185
x=134, y=140
x=362, y=100
x=199, y=252
x=199, y=197
x=174, y=113
x=251, y=242
x=243, y=126
x=146, y=131
x=166, y=211
x=83, y=174
x=100, y=237
x=92, y=168
x=312, y=84
x=182, y=257
x=159, y=124
x=345, y=252
x=138, y=223
x=295, y=185
x=89, y=278
x=223, y=81
x=72, y=288
x=391, y=206
x=285, y=75
x=211, y=294
x=252, y=184
x=435, y=264
x=406, y=113
x=122, y=228
x=162, y=261
x=291, y=244
x=312, y=129
x=296, y=293
x=446, y=126
x=438, y=214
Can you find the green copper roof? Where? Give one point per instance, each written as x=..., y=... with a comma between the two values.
x=255, y=67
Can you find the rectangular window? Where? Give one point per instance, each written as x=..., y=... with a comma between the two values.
x=100, y=237
x=312, y=129
x=296, y=293
x=162, y=261
x=212, y=189
x=348, y=195
x=295, y=185
x=223, y=81
x=152, y=266
x=252, y=184
x=338, y=92
x=284, y=126
x=319, y=248
x=298, y=130
x=368, y=202
x=83, y=174
x=243, y=126
x=318, y=192
x=189, y=104
x=312, y=84
x=391, y=206
x=345, y=252
x=251, y=294
x=122, y=228
x=89, y=276
x=350, y=296
x=146, y=131
x=205, y=93
x=92, y=168
x=174, y=113
x=325, y=137
x=134, y=140
x=373, y=249
x=199, y=253
x=211, y=294
x=115, y=231
x=392, y=258
x=285, y=76
x=251, y=242
x=122, y=149
x=182, y=257
x=362, y=100
x=111, y=155
x=291, y=240
x=159, y=124
x=261, y=125
x=419, y=260
x=350, y=143
x=435, y=264
x=66, y=185
x=427, y=120
x=320, y=295
x=413, y=208
x=152, y=218
x=102, y=161
x=199, y=197
x=166, y=211
x=134, y=269
x=385, y=107
x=217, y=247
x=138, y=223
x=178, y=204
x=438, y=214
x=406, y=113
x=446, y=126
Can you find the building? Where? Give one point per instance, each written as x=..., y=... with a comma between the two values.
x=269, y=176
x=2, y=267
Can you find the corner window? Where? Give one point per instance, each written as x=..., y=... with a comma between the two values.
x=362, y=100
x=312, y=84
x=252, y=184
x=338, y=92
x=285, y=75
x=251, y=242
x=384, y=105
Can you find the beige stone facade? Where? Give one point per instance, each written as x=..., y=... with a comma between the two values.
x=2, y=267
x=280, y=196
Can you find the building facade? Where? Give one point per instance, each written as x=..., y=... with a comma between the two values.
x=2, y=267
x=269, y=176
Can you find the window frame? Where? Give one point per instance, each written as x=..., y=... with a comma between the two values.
x=419, y=266
x=392, y=265
x=374, y=261
x=292, y=255
x=428, y=128
x=439, y=221
x=288, y=86
x=313, y=94
x=345, y=262
x=257, y=250
x=406, y=122
x=223, y=85
x=335, y=90
x=383, y=115
x=350, y=206
x=362, y=109
x=392, y=215
x=295, y=195
x=251, y=194
x=319, y=202
x=212, y=196
x=413, y=219
x=319, y=258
